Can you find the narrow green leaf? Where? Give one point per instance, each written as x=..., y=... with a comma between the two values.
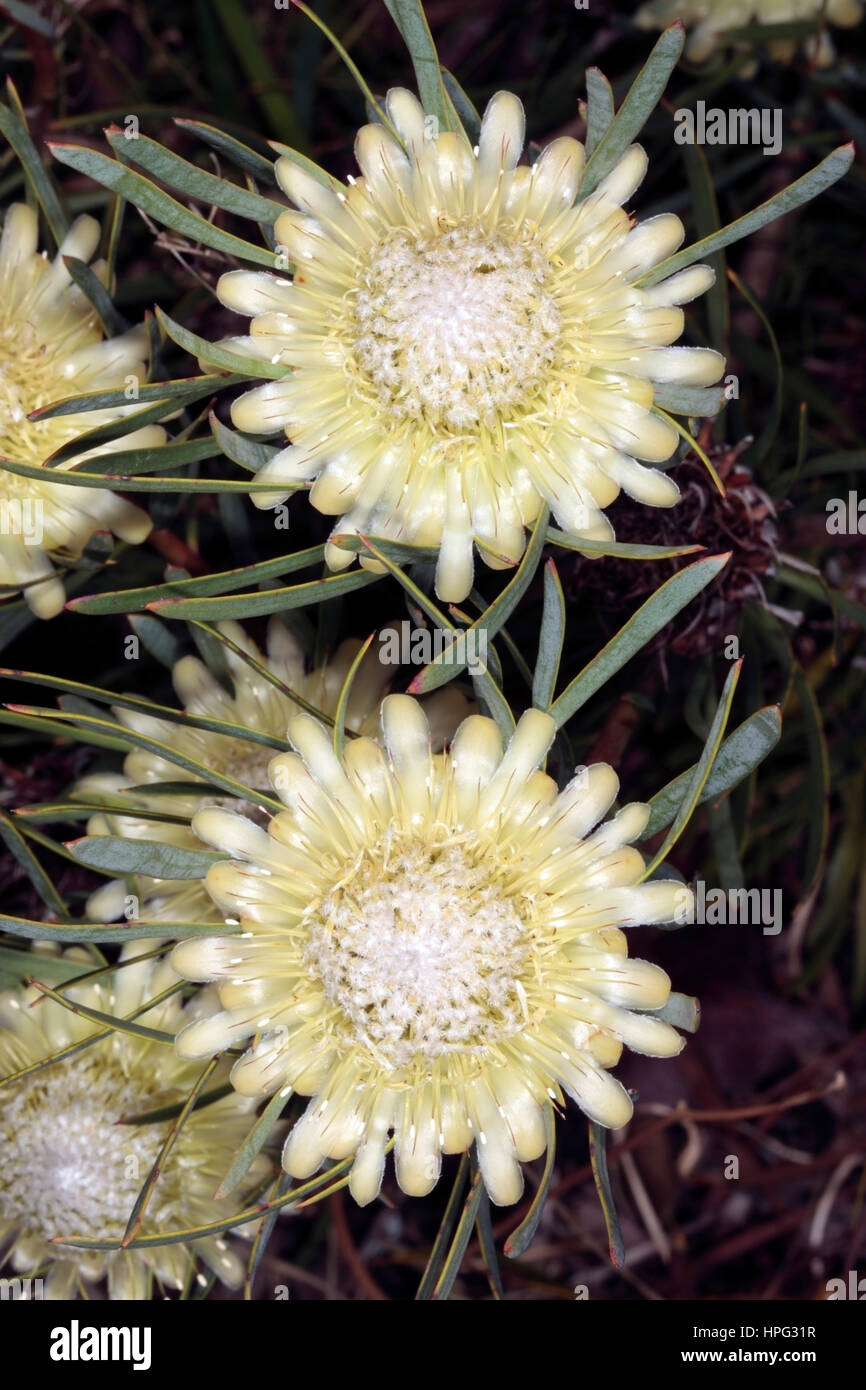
x=801, y=191
x=263, y=1235
x=224, y=727
x=650, y=618
x=623, y=550
x=521, y=1237
x=16, y=132
x=550, y=640
x=740, y=753
x=599, y=109
x=15, y=618
x=485, y=687
x=642, y=99
x=164, y=457
x=694, y=446
x=706, y=222
x=54, y=729
x=487, y=1246
x=698, y=778
x=136, y=1216
x=108, y=433
x=190, y=180
x=254, y=1142
x=170, y=1112
x=143, y=194
x=411, y=20
x=770, y=33
x=263, y=671
x=598, y=1160
x=181, y=392
x=54, y=812
x=131, y=483
x=156, y=639
x=462, y=1236
x=817, y=587
x=99, y=932
x=132, y=600
x=247, y=453
x=490, y=695
x=111, y=319
x=845, y=462
x=218, y=356
x=155, y=858
x=20, y=850
x=398, y=551
x=62, y=1054
x=345, y=696
x=440, y=1245
x=268, y=601
x=245, y=158
x=29, y=18
x=723, y=839
x=118, y=1025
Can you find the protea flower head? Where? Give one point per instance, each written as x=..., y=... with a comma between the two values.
x=464, y=342
x=431, y=948
x=71, y=1169
x=709, y=23
x=257, y=705
x=51, y=346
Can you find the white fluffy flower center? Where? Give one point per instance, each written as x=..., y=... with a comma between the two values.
x=68, y=1167
x=422, y=951
x=458, y=327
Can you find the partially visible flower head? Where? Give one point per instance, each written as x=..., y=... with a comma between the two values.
x=255, y=704
x=463, y=342
x=709, y=22
x=431, y=947
x=71, y=1169
x=51, y=346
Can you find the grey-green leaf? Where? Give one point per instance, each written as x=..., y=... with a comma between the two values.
x=801, y=191
x=152, y=857
x=642, y=99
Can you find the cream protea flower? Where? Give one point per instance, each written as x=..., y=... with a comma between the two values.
x=51, y=346
x=431, y=947
x=69, y=1168
x=714, y=18
x=256, y=705
x=462, y=342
